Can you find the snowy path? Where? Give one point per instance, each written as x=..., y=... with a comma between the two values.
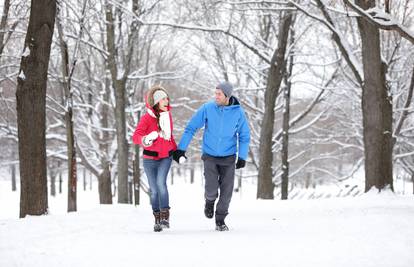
x=364, y=231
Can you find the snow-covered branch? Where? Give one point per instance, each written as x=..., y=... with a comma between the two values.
x=382, y=20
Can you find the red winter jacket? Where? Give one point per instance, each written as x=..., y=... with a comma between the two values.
x=160, y=148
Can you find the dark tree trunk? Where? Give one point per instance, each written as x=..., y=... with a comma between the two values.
x=70, y=139
x=265, y=185
x=376, y=108
x=84, y=179
x=31, y=106
x=192, y=176
x=52, y=174
x=119, y=88
x=3, y=24
x=60, y=177
x=130, y=191
x=104, y=181
x=53, y=184
x=137, y=174
x=90, y=181
x=286, y=126
x=285, y=144
x=13, y=176
x=412, y=180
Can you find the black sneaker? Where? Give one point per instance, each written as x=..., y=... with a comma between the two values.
x=221, y=226
x=209, y=209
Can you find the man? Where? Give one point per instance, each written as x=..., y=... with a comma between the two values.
x=226, y=133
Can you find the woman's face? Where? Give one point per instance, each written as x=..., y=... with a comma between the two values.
x=163, y=104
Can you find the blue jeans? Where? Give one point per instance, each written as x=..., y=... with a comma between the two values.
x=157, y=172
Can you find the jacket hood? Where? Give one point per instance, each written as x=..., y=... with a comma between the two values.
x=149, y=101
x=233, y=103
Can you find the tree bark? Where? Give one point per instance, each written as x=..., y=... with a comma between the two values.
x=53, y=185
x=52, y=174
x=376, y=108
x=286, y=124
x=31, y=107
x=265, y=185
x=137, y=173
x=104, y=181
x=3, y=24
x=120, y=122
x=105, y=189
x=285, y=139
x=60, y=178
x=70, y=139
x=13, y=176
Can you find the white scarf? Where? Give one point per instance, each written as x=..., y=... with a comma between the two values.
x=165, y=125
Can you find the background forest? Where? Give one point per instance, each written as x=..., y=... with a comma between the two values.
x=327, y=87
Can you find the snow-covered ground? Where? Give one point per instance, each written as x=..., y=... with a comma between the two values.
x=368, y=230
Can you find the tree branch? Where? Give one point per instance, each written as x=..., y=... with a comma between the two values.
x=382, y=20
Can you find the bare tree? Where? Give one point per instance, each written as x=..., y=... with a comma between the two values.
x=376, y=108
x=265, y=185
x=31, y=96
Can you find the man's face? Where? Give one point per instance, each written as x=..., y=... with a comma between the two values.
x=220, y=98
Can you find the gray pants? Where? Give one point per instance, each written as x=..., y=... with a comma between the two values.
x=219, y=174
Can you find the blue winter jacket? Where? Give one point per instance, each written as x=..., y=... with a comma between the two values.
x=225, y=127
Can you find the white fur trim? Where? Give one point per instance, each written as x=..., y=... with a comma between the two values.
x=151, y=113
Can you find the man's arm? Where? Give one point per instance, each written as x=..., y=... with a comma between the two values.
x=195, y=123
x=244, y=136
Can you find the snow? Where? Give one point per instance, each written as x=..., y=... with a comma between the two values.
x=369, y=230
x=21, y=75
x=380, y=16
x=26, y=52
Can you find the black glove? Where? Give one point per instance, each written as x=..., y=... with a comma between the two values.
x=240, y=163
x=178, y=154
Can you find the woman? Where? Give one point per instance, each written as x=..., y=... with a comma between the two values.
x=154, y=134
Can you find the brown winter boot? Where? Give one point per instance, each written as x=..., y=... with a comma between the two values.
x=157, y=225
x=165, y=218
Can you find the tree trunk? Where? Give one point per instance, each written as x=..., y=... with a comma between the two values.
x=412, y=180
x=265, y=185
x=53, y=185
x=119, y=88
x=130, y=190
x=376, y=108
x=70, y=139
x=104, y=181
x=286, y=125
x=3, y=24
x=90, y=181
x=137, y=173
x=52, y=175
x=285, y=144
x=13, y=176
x=31, y=107
x=60, y=178
x=84, y=179
x=192, y=175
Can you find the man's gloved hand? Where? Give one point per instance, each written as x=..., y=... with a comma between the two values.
x=179, y=156
x=148, y=139
x=240, y=163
